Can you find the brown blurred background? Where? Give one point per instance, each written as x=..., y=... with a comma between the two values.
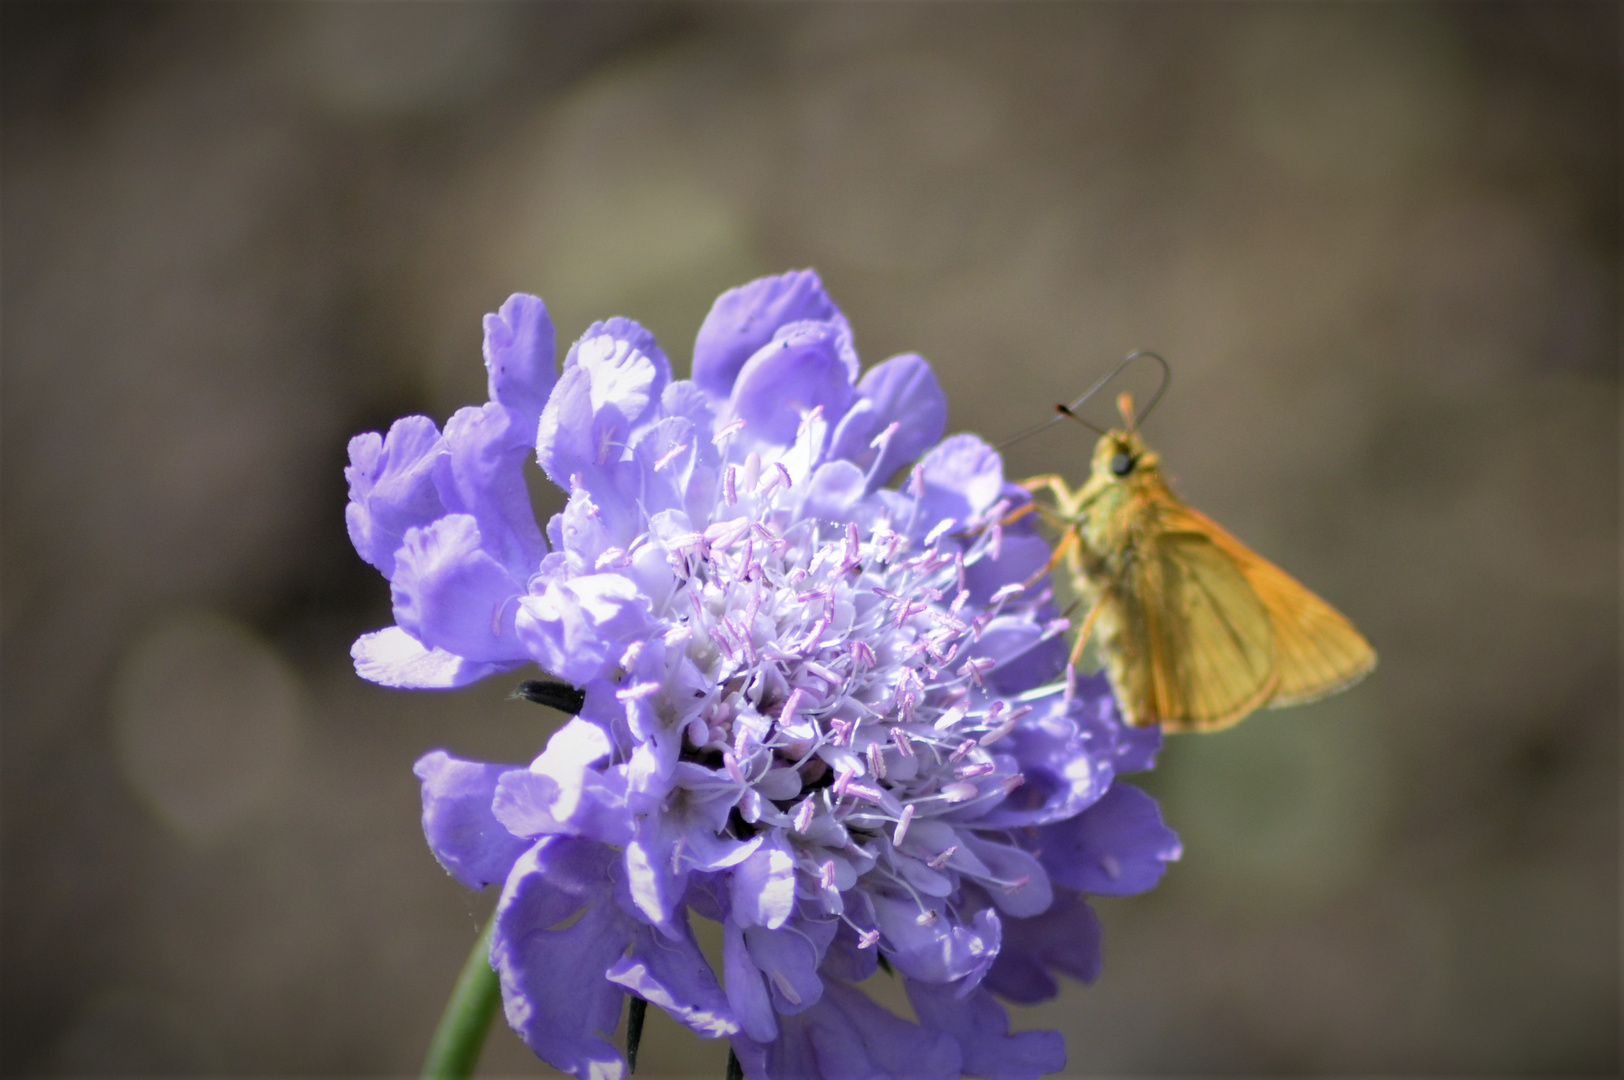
x=1379, y=243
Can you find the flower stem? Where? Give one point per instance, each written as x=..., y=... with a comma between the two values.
x=467, y=1017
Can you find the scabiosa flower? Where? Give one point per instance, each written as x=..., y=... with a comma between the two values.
x=831, y=716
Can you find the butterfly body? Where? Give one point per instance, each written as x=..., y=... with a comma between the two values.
x=1196, y=629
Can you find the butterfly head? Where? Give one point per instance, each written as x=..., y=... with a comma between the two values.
x=1120, y=456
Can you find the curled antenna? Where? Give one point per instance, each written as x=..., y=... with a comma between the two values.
x=1069, y=409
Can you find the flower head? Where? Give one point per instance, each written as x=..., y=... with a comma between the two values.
x=830, y=715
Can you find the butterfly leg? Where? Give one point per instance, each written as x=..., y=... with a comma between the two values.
x=1061, y=549
x=1087, y=628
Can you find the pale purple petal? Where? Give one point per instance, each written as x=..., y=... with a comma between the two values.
x=763, y=886
x=963, y=478
x=392, y=657
x=392, y=488
x=746, y=986
x=637, y=339
x=903, y=390
x=744, y=319
x=519, y=358
x=462, y=832
x=787, y=378
x=668, y=970
x=575, y=629
x=848, y=1036
x=450, y=594
x=941, y=949
x=1116, y=847
x=834, y=491
x=789, y=964
x=980, y=1027
x=1065, y=938
x=482, y=474
x=568, y=1022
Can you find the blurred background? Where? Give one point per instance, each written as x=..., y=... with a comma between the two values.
x=1379, y=244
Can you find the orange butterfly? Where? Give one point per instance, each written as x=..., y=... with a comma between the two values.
x=1196, y=629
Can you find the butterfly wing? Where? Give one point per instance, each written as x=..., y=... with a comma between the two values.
x=1195, y=644
x=1316, y=649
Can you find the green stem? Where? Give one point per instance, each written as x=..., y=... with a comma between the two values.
x=467, y=1017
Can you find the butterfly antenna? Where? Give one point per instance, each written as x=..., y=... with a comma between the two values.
x=1161, y=388
x=1070, y=409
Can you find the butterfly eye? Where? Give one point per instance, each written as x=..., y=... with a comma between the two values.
x=1121, y=464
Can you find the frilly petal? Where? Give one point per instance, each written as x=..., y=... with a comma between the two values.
x=963, y=477
x=566, y=1021
x=799, y=370
x=519, y=357
x=450, y=594
x=392, y=657
x=462, y=832
x=482, y=474
x=576, y=628
x=670, y=971
x=1117, y=847
x=1066, y=938
x=980, y=1027
x=744, y=319
x=848, y=1036
x=392, y=488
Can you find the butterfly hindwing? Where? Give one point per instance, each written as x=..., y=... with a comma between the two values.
x=1316, y=649
x=1196, y=647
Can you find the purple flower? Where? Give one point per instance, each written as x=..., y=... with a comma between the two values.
x=830, y=715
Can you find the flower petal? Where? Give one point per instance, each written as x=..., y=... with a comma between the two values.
x=799, y=370
x=789, y=963
x=744, y=319
x=903, y=390
x=763, y=886
x=848, y=1036
x=963, y=478
x=392, y=488
x=670, y=971
x=566, y=1021
x=980, y=1027
x=1116, y=847
x=462, y=832
x=575, y=629
x=482, y=474
x=450, y=594
x=746, y=988
x=519, y=358
x=392, y=657
x=1066, y=938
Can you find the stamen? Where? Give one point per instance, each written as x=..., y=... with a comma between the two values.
x=902, y=825
x=784, y=987
x=876, y=761
x=669, y=456
x=1014, y=588
x=727, y=431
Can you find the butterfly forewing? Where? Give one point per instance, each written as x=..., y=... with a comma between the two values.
x=1316, y=650
x=1209, y=638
